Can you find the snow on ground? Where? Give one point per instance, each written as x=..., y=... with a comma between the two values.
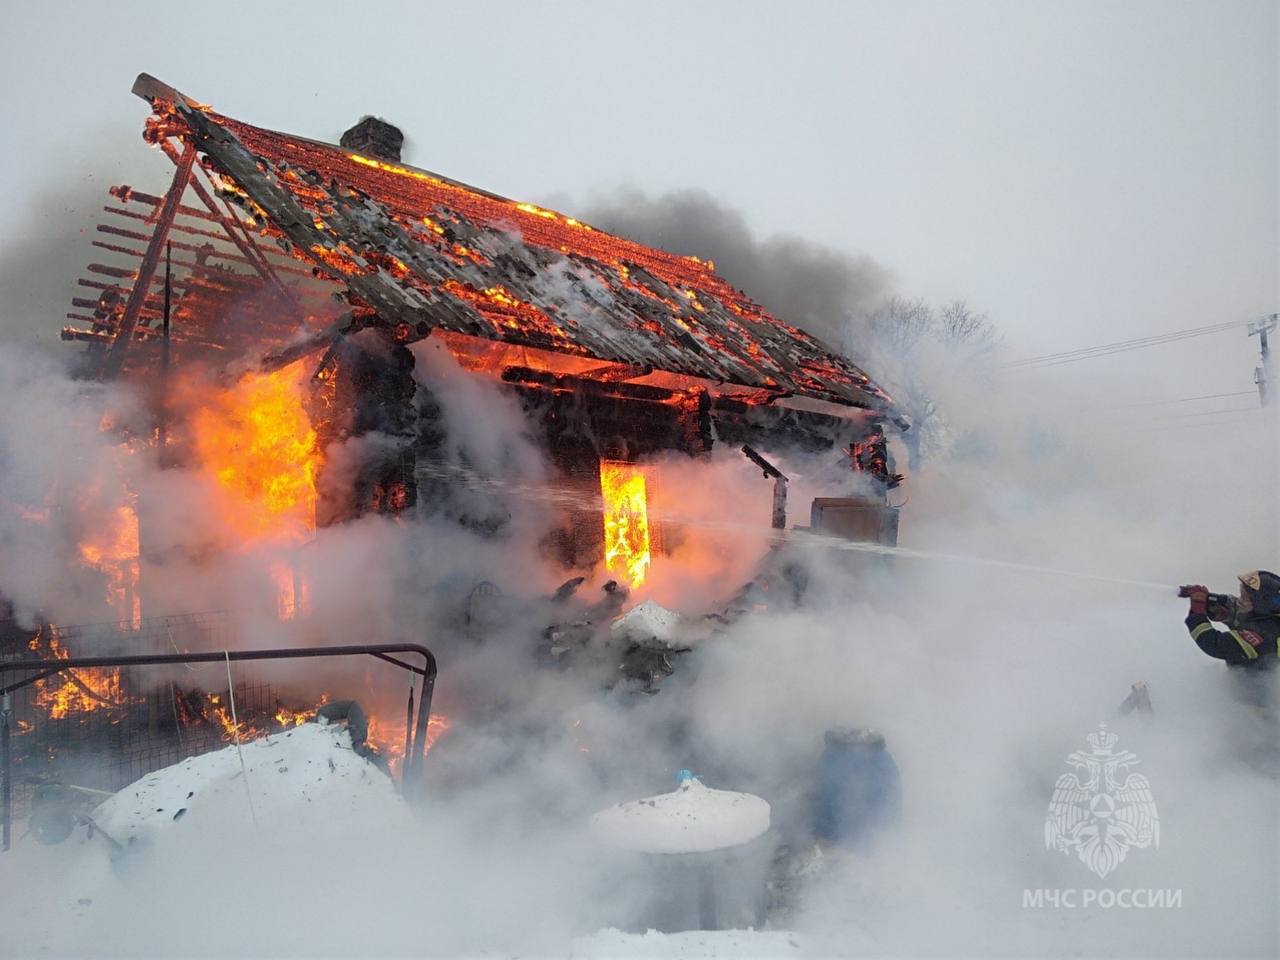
x=333, y=864
x=684, y=946
x=307, y=784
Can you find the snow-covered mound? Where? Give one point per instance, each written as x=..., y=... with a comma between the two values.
x=304, y=776
x=649, y=621
x=692, y=818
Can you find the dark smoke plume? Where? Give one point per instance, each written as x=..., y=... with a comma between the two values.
x=808, y=285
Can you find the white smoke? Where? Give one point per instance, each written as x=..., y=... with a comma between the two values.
x=982, y=678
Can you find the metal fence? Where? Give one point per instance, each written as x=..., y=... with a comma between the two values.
x=101, y=706
x=104, y=728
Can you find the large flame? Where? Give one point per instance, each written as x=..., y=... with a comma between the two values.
x=113, y=549
x=258, y=441
x=67, y=695
x=626, y=521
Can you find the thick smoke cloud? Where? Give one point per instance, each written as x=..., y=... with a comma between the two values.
x=807, y=284
x=982, y=677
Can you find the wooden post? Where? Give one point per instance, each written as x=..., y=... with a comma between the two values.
x=779, y=518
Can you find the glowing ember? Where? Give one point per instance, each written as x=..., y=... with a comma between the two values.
x=258, y=441
x=114, y=551
x=626, y=521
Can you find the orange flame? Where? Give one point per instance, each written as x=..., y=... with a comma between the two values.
x=258, y=441
x=64, y=696
x=114, y=551
x=388, y=738
x=231, y=730
x=293, y=718
x=626, y=521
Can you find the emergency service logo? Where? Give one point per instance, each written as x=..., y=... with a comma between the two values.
x=1101, y=811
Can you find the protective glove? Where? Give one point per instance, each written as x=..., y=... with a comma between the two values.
x=1198, y=595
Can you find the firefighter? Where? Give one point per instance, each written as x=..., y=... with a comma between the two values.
x=1251, y=647
x=870, y=457
x=1252, y=637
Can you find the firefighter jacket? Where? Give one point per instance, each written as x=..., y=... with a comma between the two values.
x=1249, y=640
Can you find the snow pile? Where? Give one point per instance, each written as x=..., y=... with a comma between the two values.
x=691, y=819
x=185, y=836
x=648, y=621
x=300, y=778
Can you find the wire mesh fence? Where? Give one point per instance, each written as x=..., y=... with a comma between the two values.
x=93, y=721
x=103, y=728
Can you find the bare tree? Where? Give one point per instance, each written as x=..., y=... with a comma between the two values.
x=958, y=325
x=899, y=324
x=913, y=345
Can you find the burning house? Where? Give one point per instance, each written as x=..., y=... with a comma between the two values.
x=276, y=303
x=304, y=274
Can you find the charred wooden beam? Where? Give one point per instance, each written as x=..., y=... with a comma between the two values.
x=281, y=261
x=779, y=518
x=191, y=247
x=617, y=372
x=279, y=359
x=376, y=289
x=88, y=336
x=782, y=428
x=244, y=243
x=581, y=427
x=129, y=320
x=564, y=381
x=214, y=283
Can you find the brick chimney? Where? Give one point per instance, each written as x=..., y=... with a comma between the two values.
x=375, y=138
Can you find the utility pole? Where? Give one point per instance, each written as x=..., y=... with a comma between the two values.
x=1262, y=373
x=1265, y=378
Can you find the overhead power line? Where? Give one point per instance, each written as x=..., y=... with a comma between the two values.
x=1102, y=350
x=1230, y=413
x=1207, y=396
x=1207, y=413
x=1228, y=418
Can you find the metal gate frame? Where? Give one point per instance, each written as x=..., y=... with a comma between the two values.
x=415, y=733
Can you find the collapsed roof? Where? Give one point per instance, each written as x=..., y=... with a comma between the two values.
x=418, y=253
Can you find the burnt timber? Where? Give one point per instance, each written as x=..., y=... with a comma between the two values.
x=427, y=253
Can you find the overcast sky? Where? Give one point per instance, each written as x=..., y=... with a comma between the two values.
x=1084, y=172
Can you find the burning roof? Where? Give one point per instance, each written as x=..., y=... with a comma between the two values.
x=421, y=253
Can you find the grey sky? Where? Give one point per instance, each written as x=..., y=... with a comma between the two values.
x=1085, y=172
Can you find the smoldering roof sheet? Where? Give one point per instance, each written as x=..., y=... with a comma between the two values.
x=425, y=251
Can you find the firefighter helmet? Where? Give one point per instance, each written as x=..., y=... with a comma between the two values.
x=1263, y=590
